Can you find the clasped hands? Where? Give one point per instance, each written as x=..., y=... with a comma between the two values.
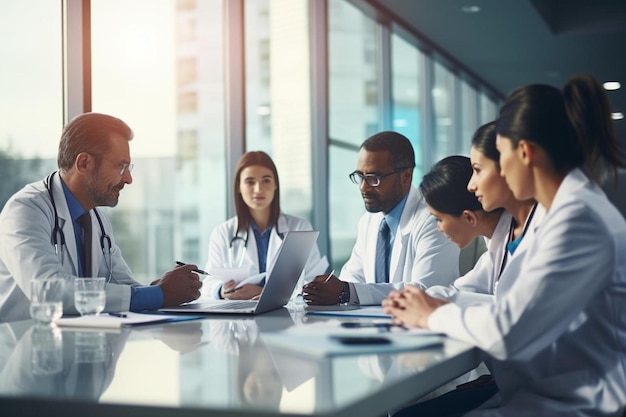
x=411, y=306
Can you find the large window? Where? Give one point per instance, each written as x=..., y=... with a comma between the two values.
x=443, y=106
x=353, y=116
x=468, y=118
x=31, y=92
x=407, y=63
x=161, y=72
x=278, y=102
x=488, y=109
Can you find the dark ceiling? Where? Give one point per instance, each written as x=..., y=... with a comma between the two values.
x=510, y=43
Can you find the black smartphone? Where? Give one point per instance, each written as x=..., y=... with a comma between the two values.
x=361, y=340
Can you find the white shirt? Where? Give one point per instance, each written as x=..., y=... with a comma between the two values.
x=26, y=251
x=556, y=333
x=480, y=284
x=219, y=246
x=420, y=254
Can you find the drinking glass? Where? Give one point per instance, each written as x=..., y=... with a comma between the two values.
x=47, y=350
x=46, y=299
x=89, y=295
x=90, y=347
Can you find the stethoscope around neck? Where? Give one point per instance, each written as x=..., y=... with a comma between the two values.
x=238, y=246
x=510, y=239
x=58, y=236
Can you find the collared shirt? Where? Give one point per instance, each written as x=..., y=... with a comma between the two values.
x=76, y=210
x=393, y=220
x=141, y=298
x=262, y=245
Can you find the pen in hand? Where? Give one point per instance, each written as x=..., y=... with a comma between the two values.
x=231, y=291
x=199, y=271
x=329, y=275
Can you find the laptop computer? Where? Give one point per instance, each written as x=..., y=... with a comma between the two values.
x=279, y=284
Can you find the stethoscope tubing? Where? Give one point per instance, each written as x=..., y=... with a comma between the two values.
x=58, y=236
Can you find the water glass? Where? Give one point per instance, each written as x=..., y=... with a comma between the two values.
x=46, y=299
x=90, y=347
x=47, y=350
x=89, y=295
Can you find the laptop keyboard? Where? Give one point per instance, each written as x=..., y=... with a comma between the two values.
x=234, y=305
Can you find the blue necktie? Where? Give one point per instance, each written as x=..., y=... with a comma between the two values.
x=382, y=253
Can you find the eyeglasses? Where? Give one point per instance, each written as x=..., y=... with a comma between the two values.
x=125, y=167
x=373, y=180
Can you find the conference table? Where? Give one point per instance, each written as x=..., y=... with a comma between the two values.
x=216, y=365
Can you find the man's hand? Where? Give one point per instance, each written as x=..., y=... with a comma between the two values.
x=322, y=292
x=230, y=291
x=180, y=285
x=411, y=306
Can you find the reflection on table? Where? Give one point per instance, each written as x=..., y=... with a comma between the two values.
x=220, y=364
x=50, y=363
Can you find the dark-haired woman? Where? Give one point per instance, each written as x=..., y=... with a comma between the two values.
x=556, y=337
x=249, y=242
x=470, y=200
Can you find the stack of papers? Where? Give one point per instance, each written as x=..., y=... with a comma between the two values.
x=117, y=321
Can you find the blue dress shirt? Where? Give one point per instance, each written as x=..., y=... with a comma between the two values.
x=262, y=246
x=141, y=298
x=393, y=220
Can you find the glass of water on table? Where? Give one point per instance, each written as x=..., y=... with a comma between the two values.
x=46, y=303
x=89, y=295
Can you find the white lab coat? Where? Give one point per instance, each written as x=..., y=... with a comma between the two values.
x=614, y=187
x=420, y=255
x=222, y=235
x=556, y=333
x=480, y=284
x=27, y=252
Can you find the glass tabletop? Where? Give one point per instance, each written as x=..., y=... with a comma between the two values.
x=222, y=363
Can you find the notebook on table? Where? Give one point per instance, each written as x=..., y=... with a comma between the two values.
x=279, y=284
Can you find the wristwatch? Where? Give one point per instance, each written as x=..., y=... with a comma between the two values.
x=344, y=297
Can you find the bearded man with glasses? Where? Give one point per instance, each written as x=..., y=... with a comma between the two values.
x=397, y=242
x=53, y=228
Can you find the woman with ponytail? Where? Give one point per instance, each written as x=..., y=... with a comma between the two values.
x=556, y=337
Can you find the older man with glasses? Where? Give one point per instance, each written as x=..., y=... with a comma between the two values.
x=52, y=228
x=397, y=242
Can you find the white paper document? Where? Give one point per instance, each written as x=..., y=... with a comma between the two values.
x=347, y=311
x=107, y=321
x=240, y=275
